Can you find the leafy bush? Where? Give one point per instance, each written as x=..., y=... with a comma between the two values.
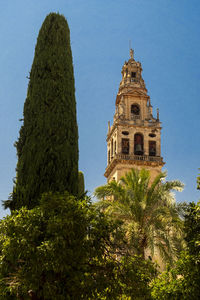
x=65, y=249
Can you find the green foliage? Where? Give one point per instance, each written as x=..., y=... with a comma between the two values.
x=66, y=249
x=182, y=281
x=47, y=147
x=35, y=243
x=81, y=184
x=198, y=182
x=148, y=210
x=192, y=229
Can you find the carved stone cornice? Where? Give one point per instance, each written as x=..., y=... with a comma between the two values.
x=134, y=92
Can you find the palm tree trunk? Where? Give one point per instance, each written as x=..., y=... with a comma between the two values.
x=143, y=246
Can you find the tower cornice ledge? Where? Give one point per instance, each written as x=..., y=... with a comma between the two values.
x=131, y=92
x=139, y=160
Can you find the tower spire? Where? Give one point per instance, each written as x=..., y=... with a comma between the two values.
x=131, y=50
x=131, y=53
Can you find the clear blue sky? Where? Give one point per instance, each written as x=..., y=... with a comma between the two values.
x=166, y=38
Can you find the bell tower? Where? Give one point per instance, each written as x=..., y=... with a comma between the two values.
x=133, y=141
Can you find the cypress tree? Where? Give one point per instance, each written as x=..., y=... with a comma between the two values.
x=47, y=147
x=81, y=184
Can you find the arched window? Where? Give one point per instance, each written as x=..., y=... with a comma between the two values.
x=133, y=74
x=115, y=147
x=112, y=148
x=135, y=110
x=125, y=146
x=138, y=144
x=152, y=148
x=108, y=156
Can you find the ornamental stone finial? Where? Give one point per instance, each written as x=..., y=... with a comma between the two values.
x=158, y=114
x=108, y=126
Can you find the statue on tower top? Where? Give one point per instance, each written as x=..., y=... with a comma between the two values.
x=131, y=53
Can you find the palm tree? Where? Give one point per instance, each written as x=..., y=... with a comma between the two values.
x=148, y=210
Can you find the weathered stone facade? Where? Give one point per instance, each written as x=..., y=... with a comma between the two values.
x=133, y=141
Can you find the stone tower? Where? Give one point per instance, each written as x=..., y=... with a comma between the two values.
x=133, y=141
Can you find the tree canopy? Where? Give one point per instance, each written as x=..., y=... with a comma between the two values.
x=65, y=249
x=182, y=281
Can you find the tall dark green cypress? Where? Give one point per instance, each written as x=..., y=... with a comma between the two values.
x=47, y=147
x=81, y=184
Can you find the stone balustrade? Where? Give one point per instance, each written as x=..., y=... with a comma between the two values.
x=137, y=157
